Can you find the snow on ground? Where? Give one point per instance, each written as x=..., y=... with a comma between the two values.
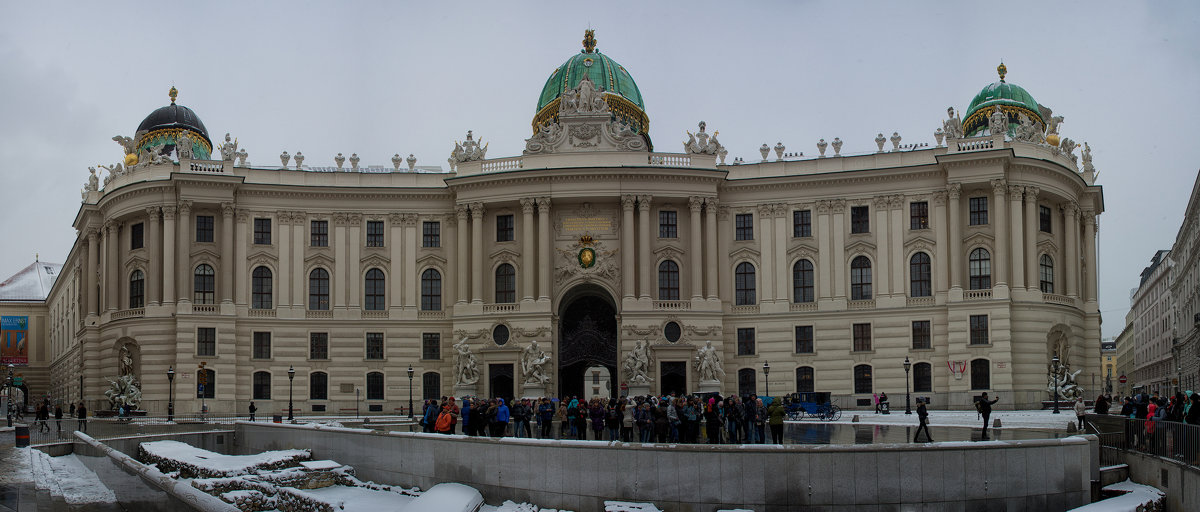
x=69, y=477
x=1035, y=419
x=1136, y=494
x=224, y=464
x=357, y=499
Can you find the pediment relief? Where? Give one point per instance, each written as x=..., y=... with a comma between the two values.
x=505, y=255
x=979, y=238
x=136, y=262
x=261, y=258
x=920, y=243
x=806, y=250
x=748, y=253
x=431, y=260
x=1047, y=246
x=204, y=252
x=319, y=258
x=261, y=254
x=860, y=246
x=375, y=260
x=668, y=252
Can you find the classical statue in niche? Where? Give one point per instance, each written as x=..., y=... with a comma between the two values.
x=533, y=364
x=466, y=367
x=708, y=363
x=125, y=361
x=637, y=363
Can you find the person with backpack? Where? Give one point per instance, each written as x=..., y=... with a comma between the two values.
x=500, y=423
x=923, y=417
x=429, y=417
x=253, y=410
x=984, y=406
x=545, y=418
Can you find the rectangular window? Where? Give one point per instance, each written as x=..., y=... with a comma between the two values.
x=979, y=330
x=1044, y=222
x=918, y=215
x=504, y=228
x=862, y=337
x=431, y=234
x=921, y=337
x=979, y=211
x=374, y=233
x=374, y=345
x=804, y=339
x=204, y=228
x=745, y=341
x=860, y=219
x=431, y=346
x=802, y=223
x=319, y=233
x=206, y=341
x=136, y=238
x=318, y=345
x=743, y=226
x=262, y=231
x=262, y=345
x=668, y=224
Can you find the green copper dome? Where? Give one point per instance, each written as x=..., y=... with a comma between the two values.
x=1012, y=100
x=621, y=92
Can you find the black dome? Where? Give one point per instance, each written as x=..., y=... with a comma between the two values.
x=174, y=116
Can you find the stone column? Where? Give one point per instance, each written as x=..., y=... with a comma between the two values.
x=645, y=291
x=183, y=267
x=627, y=246
x=227, y=265
x=154, y=254
x=545, y=245
x=1089, y=254
x=696, y=258
x=782, y=271
x=300, y=239
x=941, y=228
x=1001, y=256
x=410, y=243
x=464, y=254
x=340, y=244
x=92, y=294
x=242, y=217
x=882, y=277
x=838, y=208
x=112, y=279
x=477, y=211
x=168, y=255
x=1070, y=267
x=710, y=260
x=764, y=234
x=1015, y=193
x=354, y=262
x=399, y=273
x=527, y=249
x=953, y=191
x=824, y=250
x=1032, y=278
x=896, y=204
x=283, y=277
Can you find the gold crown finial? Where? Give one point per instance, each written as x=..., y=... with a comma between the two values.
x=173, y=93
x=1002, y=69
x=589, y=40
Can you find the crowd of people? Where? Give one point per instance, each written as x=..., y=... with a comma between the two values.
x=666, y=419
x=1152, y=410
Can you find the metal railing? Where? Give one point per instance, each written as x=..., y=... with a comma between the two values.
x=1166, y=439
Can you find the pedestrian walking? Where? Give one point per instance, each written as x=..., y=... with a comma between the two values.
x=253, y=409
x=923, y=417
x=58, y=416
x=1080, y=412
x=984, y=406
x=775, y=414
x=81, y=415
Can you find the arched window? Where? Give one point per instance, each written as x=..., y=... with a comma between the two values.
x=318, y=290
x=744, y=286
x=919, y=276
x=431, y=290
x=262, y=386
x=981, y=374
x=207, y=378
x=1046, y=273
x=922, y=378
x=261, y=288
x=981, y=269
x=203, y=285
x=860, y=278
x=375, y=386
x=318, y=386
x=862, y=378
x=803, y=289
x=137, y=289
x=668, y=280
x=375, y=286
x=431, y=383
x=804, y=380
x=747, y=382
x=506, y=284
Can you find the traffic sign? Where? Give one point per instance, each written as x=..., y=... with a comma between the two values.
x=17, y=381
x=200, y=388
x=1123, y=379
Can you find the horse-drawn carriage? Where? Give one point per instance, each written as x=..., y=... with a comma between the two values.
x=816, y=404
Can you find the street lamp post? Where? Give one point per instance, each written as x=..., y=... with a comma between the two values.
x=410, y=384
x=766, y=376
x=171, y=393
x=356, y=399
x=8, y=385
x=291, y=377
x=907, y=403
x=1055, y=377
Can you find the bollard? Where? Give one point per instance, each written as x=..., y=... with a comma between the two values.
x=22, y=436
x=996, y=423
x=1071, y=428
x=277, y=418
x=854, y=419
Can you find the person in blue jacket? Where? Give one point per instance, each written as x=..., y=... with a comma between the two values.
x=501, y=420
x=466, y=415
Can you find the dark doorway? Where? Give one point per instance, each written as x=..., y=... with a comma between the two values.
x=587, y=337
x=500, y=381
x=674, y=377
x=747, y=382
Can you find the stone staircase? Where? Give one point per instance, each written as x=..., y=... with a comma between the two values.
x=78, y=489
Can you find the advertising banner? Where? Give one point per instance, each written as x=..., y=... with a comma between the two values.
x=14, y=340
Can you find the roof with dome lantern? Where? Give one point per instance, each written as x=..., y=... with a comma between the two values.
x=162, y=128
x=620, y=91
x=1012, y=100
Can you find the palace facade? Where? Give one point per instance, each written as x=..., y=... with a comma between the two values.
x=974, y=261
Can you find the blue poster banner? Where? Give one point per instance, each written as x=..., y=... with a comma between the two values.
x=14, y=339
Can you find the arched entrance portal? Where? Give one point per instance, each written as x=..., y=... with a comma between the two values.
x=587, y=338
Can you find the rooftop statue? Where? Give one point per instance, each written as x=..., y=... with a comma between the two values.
x=584, y=99
x=700, y=142
x=184, y=145
x=998, y=122
x=1087, y=158
x=1028, y=131
x=952, y=126
x=468, y=150
x=548, y=136
x=228, y=148
x=93, y=183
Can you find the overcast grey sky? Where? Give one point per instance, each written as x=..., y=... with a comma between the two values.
x=379, y=78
